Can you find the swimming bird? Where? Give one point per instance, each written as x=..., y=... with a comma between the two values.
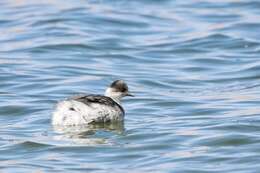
x=88, y=109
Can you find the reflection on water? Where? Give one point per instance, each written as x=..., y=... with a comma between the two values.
x=91, y=134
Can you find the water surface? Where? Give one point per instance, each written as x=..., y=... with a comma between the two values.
x=193, y=66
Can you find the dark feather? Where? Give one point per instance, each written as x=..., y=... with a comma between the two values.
x=99, y=99
x=119, y=86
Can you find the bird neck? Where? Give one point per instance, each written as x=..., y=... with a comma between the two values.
x=112, y=95
x=117, y=100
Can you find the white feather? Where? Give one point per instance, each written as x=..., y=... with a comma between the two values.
x=71, y=112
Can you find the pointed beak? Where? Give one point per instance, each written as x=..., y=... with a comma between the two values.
x=129, y=94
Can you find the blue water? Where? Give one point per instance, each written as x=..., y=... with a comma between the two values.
x=193, y=65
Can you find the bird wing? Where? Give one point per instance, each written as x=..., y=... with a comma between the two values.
x=99, y=99
x=88, y=99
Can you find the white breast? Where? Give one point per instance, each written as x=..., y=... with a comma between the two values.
x=71, y=112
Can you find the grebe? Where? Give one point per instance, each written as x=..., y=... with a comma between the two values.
x=87, y=109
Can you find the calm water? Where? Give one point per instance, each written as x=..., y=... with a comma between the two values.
x=194, y=67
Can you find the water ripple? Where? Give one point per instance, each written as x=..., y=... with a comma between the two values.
x=193, y=66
